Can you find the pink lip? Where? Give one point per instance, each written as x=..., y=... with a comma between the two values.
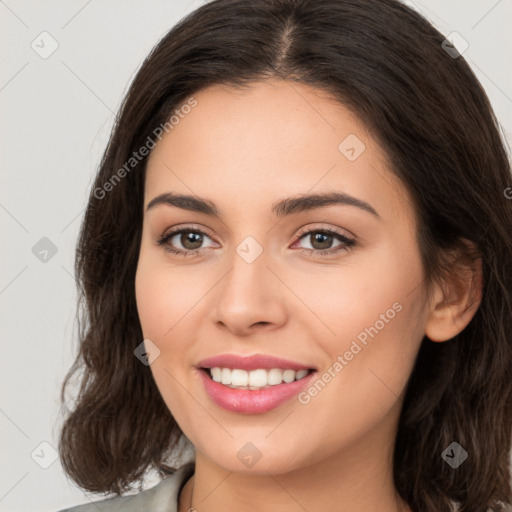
x=252, y=401
x=253, y=362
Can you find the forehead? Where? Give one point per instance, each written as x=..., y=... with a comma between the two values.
x=273, y=139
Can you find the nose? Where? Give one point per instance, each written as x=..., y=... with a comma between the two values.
x=250, y=298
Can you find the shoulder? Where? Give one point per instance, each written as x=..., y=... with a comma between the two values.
x=163, y=497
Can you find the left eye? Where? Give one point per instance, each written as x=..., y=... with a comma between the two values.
x=321, y=240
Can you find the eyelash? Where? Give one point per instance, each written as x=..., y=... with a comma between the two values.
x=347, y=243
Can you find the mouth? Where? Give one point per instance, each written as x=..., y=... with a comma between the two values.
x=260, y=378
x=253, y=391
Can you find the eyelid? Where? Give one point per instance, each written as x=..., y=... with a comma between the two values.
x=187, y=227
x=304, y=229
x=325, y=227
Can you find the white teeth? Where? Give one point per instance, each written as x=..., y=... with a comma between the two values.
x=300, y=374
x=216, y=374
x=254, y=379
x=239, y=377
x=258, y=378
x=289, y=375
x=226, y=376
x=275, y=376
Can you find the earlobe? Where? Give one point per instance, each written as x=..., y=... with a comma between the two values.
x=455, y=301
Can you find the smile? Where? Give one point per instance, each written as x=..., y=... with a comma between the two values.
x=254, y=399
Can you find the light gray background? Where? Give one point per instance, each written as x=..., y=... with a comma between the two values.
x=56, y=116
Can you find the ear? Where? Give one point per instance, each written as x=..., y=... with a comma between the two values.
x=456, y=299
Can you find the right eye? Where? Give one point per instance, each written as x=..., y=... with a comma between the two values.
x=190, y=240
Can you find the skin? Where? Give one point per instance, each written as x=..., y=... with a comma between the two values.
x=245, y=150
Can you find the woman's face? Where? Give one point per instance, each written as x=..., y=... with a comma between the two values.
x=256, y=278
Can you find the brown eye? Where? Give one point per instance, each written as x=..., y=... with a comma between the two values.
x=190, y=240
x=183, y=241
x=321, y=241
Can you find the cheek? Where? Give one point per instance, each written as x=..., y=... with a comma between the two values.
x=153, y=298
x=377, y=315
x=347, y=299
x=163, y=300
x=372, y=316
x=367, y=368
x=165, y=294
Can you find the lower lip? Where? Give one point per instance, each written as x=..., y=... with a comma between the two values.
x=253, y=401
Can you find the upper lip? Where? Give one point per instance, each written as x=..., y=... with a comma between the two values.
x=253, y=362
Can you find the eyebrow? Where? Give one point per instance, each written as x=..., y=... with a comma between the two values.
x=281, y=208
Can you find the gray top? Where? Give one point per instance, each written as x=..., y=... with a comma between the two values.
x=163, y=497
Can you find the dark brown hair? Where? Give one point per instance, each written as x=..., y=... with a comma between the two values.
x=431, y=116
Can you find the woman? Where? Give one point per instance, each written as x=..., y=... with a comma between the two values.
x=296, y=257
